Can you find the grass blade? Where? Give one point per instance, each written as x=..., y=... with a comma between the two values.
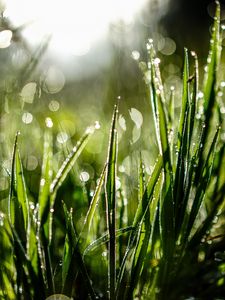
x=93, y=204
x=110, y=188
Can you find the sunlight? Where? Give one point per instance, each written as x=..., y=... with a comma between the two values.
x=74, y=25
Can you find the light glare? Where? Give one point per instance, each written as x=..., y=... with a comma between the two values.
x=74, y=25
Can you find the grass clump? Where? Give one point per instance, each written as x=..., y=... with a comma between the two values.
x=169, y=250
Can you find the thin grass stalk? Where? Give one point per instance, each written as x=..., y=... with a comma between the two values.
x=110, y=188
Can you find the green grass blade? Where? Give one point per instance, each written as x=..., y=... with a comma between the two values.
x=207, y=223
x=64, y=170
x=182, y=147
x=110, y=188
x=105, y=239
x=70, y=241
x=167, y=204
x=70, y=160
x=139, y=216
x=11, y=201
x=46, y=178
x=18, y=200
x=93, y=204
x=73, y=260
x=21, y=192
x=143, y=239
x=210, y=85
x=203, y=183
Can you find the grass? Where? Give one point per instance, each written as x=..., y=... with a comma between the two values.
x=169, y=249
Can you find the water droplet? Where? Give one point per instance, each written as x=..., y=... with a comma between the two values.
x=222, y=110
x=52, y=210
x=135, y=55
x=104, y=253
x=84, y=176
x=97, y=125
x=48, y=122
x=54, y=105
x=42, y=182
x=90, y=130
x=32, y=206
x=27, y=118
x=156, y=61
x=5, y=38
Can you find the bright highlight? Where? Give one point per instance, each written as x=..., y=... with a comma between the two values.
x=74, y=25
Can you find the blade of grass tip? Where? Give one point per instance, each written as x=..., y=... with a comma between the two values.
x=44, y=208
x=65, y=169
x=140, y=213
x=194, y=98
x=70, y=160
x=171, y=122
x=110, y=194
x=23, y=232
x=204, y=181
x=46, y=178
x=153, y=93
x=70, y=240
x=31, y=244
x=93, y=204
x=210, y=83
x=18, y=208
x=182, y=146
x=74, y=259
x=164, y=149
x=11, y=202
x=191, y=159
x=22, y=196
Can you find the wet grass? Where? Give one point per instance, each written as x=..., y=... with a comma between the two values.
x=168, y=250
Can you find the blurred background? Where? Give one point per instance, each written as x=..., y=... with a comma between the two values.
x=72, y=60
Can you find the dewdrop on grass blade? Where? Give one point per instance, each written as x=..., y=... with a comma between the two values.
x=48, y=122
x=97, y=125
x=135, y=55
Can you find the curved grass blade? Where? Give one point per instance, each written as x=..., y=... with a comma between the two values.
x=93, y=204
x=64, y=170
x=105, y=239
x=70, y=160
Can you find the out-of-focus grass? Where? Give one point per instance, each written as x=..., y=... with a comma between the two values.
x=144, y=220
